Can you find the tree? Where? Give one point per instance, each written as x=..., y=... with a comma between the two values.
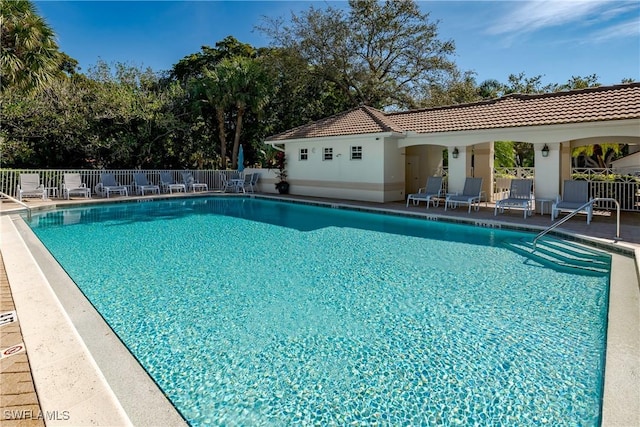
x=383, y=54
x=249, y=91
x=29, y=58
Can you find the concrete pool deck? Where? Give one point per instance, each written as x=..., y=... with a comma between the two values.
x=82, y=372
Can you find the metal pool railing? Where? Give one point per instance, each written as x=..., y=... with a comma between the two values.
x=53, y=178
x=14, y=200
x=573, y=213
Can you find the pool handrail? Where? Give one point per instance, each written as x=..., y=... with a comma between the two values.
x=571, y=214
x=21, y=203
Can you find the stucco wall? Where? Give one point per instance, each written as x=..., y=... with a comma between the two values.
x=377, y=177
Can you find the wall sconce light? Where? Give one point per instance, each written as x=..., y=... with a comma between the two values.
x=455, y=153
x=545, y=151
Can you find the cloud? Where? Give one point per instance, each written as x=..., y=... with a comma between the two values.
x=531, y=16
x=622, y=30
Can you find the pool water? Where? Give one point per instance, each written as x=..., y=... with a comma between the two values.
x=254, y=312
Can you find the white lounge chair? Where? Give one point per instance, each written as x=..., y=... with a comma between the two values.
x=30, y=186
x=142, y=184
x=108, y=185
x=470, y=195
x=72, y=184
x=192, y=184
x=574, y=195
x=520, y=196
x=169, y=184
x=431, y=192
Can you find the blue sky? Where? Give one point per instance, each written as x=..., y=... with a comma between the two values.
x=557, y=39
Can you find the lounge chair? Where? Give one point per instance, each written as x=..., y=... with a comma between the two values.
x=470, y=194
x=169, y=184
x=72, y=184
x=142, y=184
x=431, y=192
x=30, y=186
x=108, y=185
x=574, y=195
x=519, y=196
x=191, y=184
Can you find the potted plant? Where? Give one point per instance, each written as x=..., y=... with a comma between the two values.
x=282, y=185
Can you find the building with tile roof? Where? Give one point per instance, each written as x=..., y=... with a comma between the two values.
x=368, y=154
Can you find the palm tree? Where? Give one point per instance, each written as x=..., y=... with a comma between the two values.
x=214, y=87
x=249, y=92
x=29, y=57
x=597, y=155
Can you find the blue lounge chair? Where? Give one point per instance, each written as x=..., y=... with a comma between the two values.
x=431, y=192
x=168, y=183
x=192, y=184
x=520, y=195
x=142, y=184
x=108, y=185
x=470, y=195
x=574, y=195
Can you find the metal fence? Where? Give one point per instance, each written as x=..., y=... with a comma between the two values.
x=52, y=178
x=603, y=183
x=610, y=183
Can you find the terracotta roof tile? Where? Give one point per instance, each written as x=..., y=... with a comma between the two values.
x=578, y=106
x=359, y=120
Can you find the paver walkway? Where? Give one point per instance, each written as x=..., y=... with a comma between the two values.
x=18, y=398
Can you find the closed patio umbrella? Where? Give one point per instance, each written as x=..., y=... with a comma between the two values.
x=240, y=159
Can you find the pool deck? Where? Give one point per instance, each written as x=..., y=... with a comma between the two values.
x=67, y=367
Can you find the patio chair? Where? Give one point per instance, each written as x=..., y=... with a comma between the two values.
x=471, y=194
x=169, y=184
x=72, y=184
x=244, y=184
x=574, y=195
x=253, y=184
x=519, y=196
x=191, y=184
x=30, y=186
x=431, y=192
x=142, y=184
x=108, y=185
x=225, y=182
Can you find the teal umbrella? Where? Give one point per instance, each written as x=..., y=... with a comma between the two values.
x=240, y=159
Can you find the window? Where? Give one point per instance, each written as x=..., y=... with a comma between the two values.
x=328, y=154
x=356, y=152
x=303, y=154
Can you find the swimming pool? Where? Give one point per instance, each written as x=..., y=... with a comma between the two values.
x=247, y=311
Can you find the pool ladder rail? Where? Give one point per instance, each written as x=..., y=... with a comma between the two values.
x=565, y=255
x=14, y=200
x=575, y=212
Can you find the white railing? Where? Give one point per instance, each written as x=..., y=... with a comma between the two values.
x=515, y=173
x=610, y=184
x=53, y=178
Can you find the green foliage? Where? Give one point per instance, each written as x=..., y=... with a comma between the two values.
x=504, y=154
x=383, y=54
x=29, y=56
x=120, y=119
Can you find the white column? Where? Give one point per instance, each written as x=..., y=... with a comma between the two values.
x=458, y=169
x=548, y=171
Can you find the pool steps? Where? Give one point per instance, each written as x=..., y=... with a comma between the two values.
x=564, y=254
